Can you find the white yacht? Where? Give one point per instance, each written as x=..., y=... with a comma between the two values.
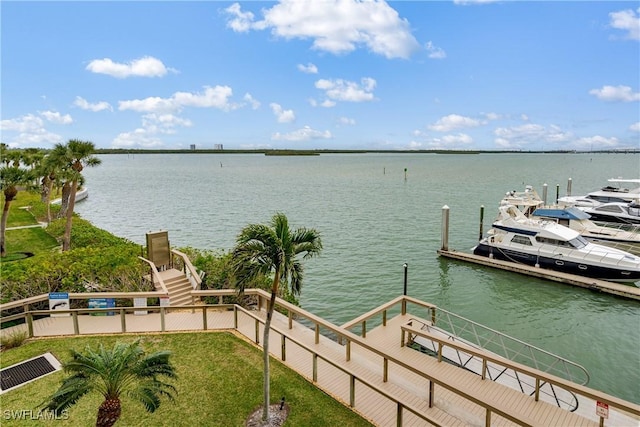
x=615, y=212
x=619, y=190
x=580, y=221
x=543, y=243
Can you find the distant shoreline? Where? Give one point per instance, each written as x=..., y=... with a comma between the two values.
x=289, y=152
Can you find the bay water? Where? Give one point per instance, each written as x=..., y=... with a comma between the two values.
x=376, y=212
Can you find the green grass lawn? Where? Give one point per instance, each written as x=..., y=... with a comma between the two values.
x=219, y=384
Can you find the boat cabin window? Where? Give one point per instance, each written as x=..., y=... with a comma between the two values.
x=578, y=243
x=609, y=208
x=523, y=240
x=607, y=199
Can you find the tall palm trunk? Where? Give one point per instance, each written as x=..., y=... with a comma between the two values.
x=265, y=346
x=9, y=194
x=108, y=413
x=66, y=240
x=64, y=203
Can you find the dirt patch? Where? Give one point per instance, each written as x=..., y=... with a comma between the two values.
x=277, y=416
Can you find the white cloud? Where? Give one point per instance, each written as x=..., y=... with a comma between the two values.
x=531, y=134
x=304, y=134
x=56, y=117
x=615, y=93
x=284, y=116
x=343, y=90
x=242, y=21
x=435, y=52
x=255, y=104
x=28, y=123
x=454, y=121
x=138, y=138
x=596, y=141
x=163, y=123
x=635, y=127
x=147, y=66
x=335, y=26
x=346, y=121
x=212, y=97
x=626, y=20
x=86, y=105
x=30, y=132
x=308, y=69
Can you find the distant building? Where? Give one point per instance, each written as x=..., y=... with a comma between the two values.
x=193, y=147
x=217, y=147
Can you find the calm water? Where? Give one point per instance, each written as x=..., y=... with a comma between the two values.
x=373, y=220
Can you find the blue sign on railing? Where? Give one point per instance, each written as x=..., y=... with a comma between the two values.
x=102, y=303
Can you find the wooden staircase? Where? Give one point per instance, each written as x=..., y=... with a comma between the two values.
x=178, y=286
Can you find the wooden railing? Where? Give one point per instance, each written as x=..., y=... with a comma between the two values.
x=155, y=277
x=341, y=334
x=409, y=332
x=189, y=270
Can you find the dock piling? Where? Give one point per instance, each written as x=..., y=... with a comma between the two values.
x=445, y=228
x=481, y=222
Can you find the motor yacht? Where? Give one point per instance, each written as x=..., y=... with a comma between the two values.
x=546, y=244
x=618, y=190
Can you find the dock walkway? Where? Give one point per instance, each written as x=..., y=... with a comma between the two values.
x=375, y=374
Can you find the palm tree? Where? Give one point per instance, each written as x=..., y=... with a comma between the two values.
x=262, y=250
x=124, y=369
x=51, y=169
x=11, y=178
x=79, y=155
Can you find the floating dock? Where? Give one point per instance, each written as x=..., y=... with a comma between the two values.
x=626, y=291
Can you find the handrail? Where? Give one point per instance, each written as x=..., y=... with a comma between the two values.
x=190, y=270
x=156, y=276
x=352, y=338
x=24, y=302
x=345, y=370
x=549, y=378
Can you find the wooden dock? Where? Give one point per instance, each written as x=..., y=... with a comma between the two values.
x=375, y=374
x=621, y=290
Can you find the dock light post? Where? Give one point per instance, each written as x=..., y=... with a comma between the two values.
x=405, y=265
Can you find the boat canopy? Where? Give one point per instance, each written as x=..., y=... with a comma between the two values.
x=567, y=213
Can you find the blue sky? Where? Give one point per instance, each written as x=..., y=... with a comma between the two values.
x=322, y=74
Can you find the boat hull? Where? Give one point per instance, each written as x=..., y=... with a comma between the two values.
x=565, y=266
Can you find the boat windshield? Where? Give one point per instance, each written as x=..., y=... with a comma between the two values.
x=579, y=242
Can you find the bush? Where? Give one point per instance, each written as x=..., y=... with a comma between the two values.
x=12, y=340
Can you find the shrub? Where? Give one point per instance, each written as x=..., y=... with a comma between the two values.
x=12, y=340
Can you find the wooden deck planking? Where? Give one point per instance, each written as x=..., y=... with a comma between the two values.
x=406, y=386
x=474, y=385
